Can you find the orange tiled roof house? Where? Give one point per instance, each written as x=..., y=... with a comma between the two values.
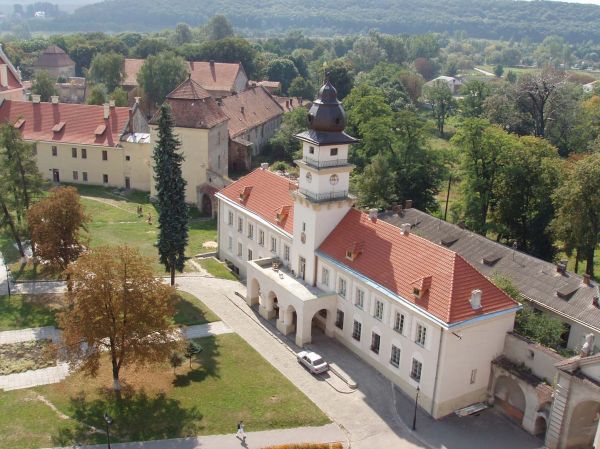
x=417, y=311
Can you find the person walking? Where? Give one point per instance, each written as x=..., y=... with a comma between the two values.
x=240, y=429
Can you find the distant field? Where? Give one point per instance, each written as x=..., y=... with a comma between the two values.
x=521, y=70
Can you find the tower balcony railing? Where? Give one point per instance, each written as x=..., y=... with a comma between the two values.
x=323, y=197
x=324, y=164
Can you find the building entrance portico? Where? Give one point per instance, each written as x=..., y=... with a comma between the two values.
x=293, y=303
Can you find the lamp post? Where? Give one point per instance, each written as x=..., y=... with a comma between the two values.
x=414, y=426
x=108, y=421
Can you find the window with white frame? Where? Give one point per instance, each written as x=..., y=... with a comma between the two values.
x=415, y=371
x=325, y=276
x=399, y=323
x=273, y=245
x=229, y=242
x=378, y=313
x=421, y=336
x=240, y=251
x=240, y=224
x=342, y=287
x=395, y=356
x=250, y=231
x=375, y=342
x=250, y=254
x=339, y=319
x=360, y=299
x=230, y=218
x=356, y=329
x=286, y=253
x=261, y=237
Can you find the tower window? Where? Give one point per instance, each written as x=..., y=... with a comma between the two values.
x=333, y=152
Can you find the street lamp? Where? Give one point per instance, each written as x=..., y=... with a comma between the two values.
x=414, y=426
x=108, y=421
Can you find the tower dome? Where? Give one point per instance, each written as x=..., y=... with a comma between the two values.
x=327, y=113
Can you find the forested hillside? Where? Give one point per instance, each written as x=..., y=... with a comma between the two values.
x=494, y=19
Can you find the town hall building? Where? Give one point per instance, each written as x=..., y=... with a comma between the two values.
x=417, y=311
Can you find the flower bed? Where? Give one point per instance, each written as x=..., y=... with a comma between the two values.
x=26, y=356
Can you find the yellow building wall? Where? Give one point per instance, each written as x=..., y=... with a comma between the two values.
x=116, y=167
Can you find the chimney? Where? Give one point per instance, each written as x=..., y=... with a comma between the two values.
x=373, y=214
x=54, y=99
x=587, y=280
x=475, y=299
x=588, y=345
x=242, y=109
x=405, y=228
x=111, y=103
x=137, y=100
x=106, y=111
x=35, y=98
x=4, y=75
x=264, y=166
x=407, y=204
x=130, y=125
x=561, y=267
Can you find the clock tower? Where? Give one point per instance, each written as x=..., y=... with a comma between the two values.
x=322, y=198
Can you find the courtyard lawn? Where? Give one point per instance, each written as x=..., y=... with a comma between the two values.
x=229, y=382
x=23, y=311
x=217, y=269
x=189, y=310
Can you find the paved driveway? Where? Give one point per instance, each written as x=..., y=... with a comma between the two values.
x=369, y=415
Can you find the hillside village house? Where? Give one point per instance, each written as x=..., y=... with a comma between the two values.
x=99, y=145
x=220, y=79
x=56, y=62
x=201, y=126
x=11, y=87
x=414, y=310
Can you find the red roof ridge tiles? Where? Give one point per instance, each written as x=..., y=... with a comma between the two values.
x=269, y=194
x=394, y=261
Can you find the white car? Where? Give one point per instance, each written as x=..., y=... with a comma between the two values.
x=313, y=361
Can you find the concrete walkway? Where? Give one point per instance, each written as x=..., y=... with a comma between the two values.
x=38, y=288
x=33, y=333
x=254, y=440
x=33, y=378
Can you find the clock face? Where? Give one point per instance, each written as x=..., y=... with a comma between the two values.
x=334, y=179
x=308, y=177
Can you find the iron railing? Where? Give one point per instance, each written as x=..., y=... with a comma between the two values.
x=323, y=197
x=324, y=164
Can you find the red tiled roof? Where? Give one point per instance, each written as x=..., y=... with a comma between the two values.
x=13, y=81
x=249, y=109
x=290, y=103
x=80, y=122
x=401, y=262
x=269, y=194
x=192, y=107
x=218, y=76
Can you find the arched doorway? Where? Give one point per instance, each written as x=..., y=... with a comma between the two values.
x=319, y=322
x=509, y=395
x=288, y=320
x=206, y=205
x=583, y=425
x=539, y=428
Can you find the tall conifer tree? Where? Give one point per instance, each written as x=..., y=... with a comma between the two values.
x=170, y=190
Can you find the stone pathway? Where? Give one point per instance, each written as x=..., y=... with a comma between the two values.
x=28, y=379
x=35, y=333
x=37, y=288
x=329, y=433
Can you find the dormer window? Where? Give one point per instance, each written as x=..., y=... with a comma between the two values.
x=354, y=250
x=333, y=152
x=244, y=194
x=417, y=292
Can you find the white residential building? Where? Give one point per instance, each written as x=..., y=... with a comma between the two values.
x=416, y=311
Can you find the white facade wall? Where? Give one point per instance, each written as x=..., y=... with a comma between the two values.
x=230, y=237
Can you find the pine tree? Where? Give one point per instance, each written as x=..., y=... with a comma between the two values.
x=170, y=190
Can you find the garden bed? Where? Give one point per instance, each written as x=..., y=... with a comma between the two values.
x=26, y=356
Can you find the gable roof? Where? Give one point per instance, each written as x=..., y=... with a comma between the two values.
x=14, y=77
x=265, y=194
x=54, y=56
x=538, y=280
x=65, y=122
x=249, y=109
x=399, y=262
x=192, y=107
x=212, y=76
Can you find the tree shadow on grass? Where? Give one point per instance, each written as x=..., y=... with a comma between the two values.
x=136, y=417
x=207, y=364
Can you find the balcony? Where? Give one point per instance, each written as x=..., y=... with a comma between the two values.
x=323, y=197
x=324, y=164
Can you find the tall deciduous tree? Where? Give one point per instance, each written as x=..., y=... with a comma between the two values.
x=160, y=74
x=56, y=224
x=118, y=307
x=170, y=191
x=43, y=85
x=578, y=208
x=439, y=97
x=107, y=68
x=340, y=75
x=282, y=70
x=218, y=27
x=474, y=93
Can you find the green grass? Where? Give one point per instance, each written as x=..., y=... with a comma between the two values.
x=210, y=399
x=23, y=311
x=190, y=310
x=217, y=269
